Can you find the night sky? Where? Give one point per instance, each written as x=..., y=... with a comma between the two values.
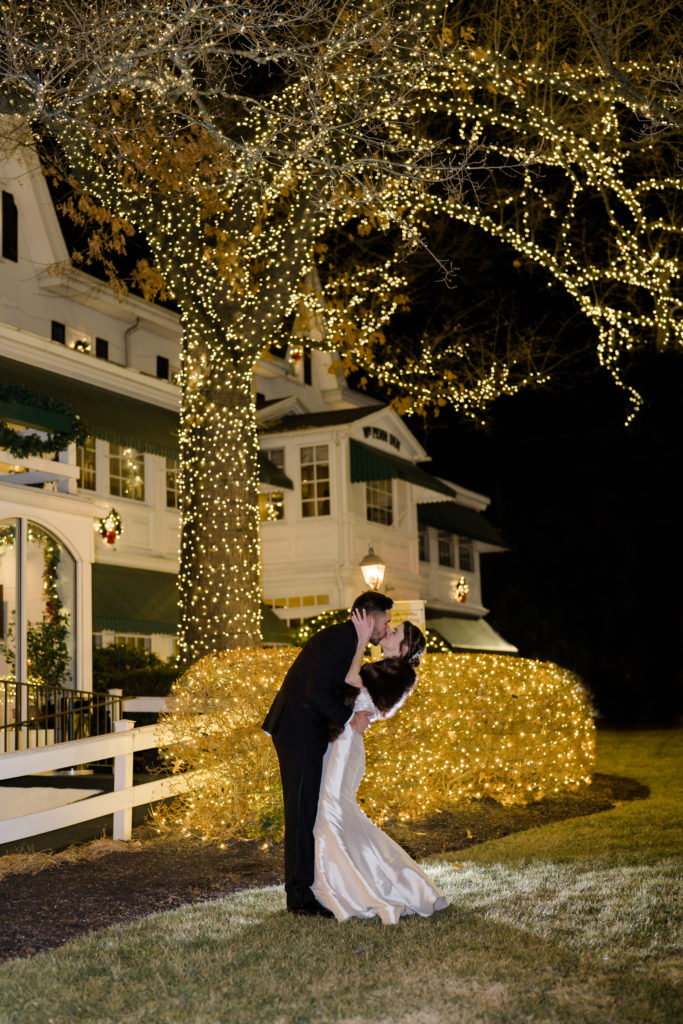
x=593, y=576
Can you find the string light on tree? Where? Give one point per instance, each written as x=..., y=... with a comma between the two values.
x=379, y=121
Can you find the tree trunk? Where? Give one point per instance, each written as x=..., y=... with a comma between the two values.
x=220, y=588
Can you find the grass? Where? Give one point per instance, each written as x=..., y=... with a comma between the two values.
x=574, y=923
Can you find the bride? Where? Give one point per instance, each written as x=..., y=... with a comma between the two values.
x=359, y=870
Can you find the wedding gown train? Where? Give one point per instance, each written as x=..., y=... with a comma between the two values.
x=359, y=870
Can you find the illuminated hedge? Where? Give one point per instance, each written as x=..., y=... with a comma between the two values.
x=477, y=725
x=480, y=725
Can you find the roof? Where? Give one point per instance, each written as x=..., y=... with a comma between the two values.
x=368, y=463
x=453, y=518
x=310, y=420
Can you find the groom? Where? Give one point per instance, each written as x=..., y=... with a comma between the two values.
x=310, y=697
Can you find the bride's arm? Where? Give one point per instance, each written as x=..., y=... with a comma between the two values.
x=364, y=627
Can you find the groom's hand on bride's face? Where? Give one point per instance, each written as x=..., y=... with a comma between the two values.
x=365, y=625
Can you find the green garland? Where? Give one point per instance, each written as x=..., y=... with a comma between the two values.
x=32, y=444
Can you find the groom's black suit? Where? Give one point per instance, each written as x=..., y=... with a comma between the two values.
x=310, y=697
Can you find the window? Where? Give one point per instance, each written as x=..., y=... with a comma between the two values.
x=271, y=506
x=446, y=549
x=172, y=492
x=308, y=601
x=85, y=460
x=126, y=472
x=162, y=367
x=308, y=373
x=315, y=481
x=101, y=348
x=379, y=501
x=423, y=542
x=10, y=228
x=465, y=554
x=58, y=332
x=276, y=456
x=134, y=641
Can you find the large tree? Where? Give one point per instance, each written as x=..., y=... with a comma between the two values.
x=284, y=156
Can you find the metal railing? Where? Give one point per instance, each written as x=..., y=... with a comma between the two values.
x=34, y=715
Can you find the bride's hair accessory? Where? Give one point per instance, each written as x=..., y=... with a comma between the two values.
x=414, y=643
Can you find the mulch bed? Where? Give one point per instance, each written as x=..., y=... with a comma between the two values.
x=42, y=910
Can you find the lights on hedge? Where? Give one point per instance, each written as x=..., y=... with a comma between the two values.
x=478, y=725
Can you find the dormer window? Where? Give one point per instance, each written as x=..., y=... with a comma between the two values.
x=10, y=228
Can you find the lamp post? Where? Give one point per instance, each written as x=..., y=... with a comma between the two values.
x=372, y=568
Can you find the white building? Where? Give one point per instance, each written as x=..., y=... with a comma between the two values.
x=340, y=472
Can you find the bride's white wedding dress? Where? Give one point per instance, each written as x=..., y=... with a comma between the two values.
x=359, y=870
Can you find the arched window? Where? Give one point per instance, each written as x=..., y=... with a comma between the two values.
x=37, y=605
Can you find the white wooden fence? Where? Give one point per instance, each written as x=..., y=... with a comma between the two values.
x=121, y=745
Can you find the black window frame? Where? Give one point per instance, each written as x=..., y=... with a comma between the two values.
x=10, y=228
x=58, y=332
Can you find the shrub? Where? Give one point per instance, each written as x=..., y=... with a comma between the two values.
x=137, y=672
x=477, y=725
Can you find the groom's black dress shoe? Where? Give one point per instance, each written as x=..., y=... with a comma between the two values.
x=310, y=909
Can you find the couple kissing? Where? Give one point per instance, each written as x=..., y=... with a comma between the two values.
x=338, y=863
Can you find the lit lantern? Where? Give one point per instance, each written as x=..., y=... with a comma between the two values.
x=372, y=568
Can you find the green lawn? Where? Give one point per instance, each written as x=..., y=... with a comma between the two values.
x=574, y=922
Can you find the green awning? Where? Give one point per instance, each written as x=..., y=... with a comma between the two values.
x=106, y=414
x=129, y=600
x=134, y=600
x=453, y=518
x=470, y=635
x=369, y=463
x=33, y=416
x=271, y=474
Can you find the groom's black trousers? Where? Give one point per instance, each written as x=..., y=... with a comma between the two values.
x=301, y=767
x=310, y=698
